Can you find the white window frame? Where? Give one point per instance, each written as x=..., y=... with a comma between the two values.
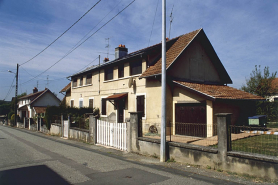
x=104, y=116
x=81, y=99
x=145, y=104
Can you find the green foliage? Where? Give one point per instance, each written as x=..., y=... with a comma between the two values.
x=12, y=118
x=259, y=83
x=5, y=108
x=260, y=144
x=78, y=113
x=268, y=108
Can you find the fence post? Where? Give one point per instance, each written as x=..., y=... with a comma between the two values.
x=38, y=127
x=92, y=128
x=62, y=125
x=69, y=127
x=133, y=131
x=224, y=135
x=29, y=123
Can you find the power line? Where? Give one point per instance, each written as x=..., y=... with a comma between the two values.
x=9, y=90
x=80, y=43
x=153, y=23
x=85, y=34
x=60, y=35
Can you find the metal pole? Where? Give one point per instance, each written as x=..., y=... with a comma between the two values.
x=15, y=103
x=163, y=86
x=98, y=74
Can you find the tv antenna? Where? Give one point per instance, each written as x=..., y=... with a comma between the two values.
x=47, y=82
x=171, y=20
x=107, y=46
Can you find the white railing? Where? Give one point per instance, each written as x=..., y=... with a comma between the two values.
x=111, y=134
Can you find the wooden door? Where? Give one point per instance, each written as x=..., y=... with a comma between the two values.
x=190, y=119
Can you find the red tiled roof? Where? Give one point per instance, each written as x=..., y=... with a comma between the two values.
x=173, y=52
x=65, y=89
x=219, y=91
x=40, y=109
x=32, y=95
x=274, y=85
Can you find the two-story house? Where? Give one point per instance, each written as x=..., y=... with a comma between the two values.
x=36, y=103
x=196, y=85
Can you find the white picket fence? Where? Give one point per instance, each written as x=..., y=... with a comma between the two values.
x=112, y=134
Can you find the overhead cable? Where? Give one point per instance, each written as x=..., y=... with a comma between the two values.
x=60, y=35
x=79, y=44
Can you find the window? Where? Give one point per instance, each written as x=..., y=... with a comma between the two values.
x=103, y=106
x=81, y=81
x=71, y=103
x=80, y=103
x=135, y=68
x=109, y=73
x=140, y=102
x=275, y=99
x=91, y=103
x=121, y=71
x=74, y=82
x=89, y=79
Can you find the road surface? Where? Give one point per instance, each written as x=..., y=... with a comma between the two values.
x=28, y=157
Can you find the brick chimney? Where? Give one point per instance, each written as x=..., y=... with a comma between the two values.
x=106, y=60
x=120, y=51
x=35, y=90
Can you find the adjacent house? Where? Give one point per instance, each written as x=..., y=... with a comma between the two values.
x=66, y=91
x=36, y=103
x=273, y=96
x=196, y=86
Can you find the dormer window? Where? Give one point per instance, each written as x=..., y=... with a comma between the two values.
x=109, y=74
x=121, y=71
x=135, y=67
x=89, y=79
x=74, y=82
x=81, y=81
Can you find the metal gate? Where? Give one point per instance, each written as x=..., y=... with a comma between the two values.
x=66, y=128
x=112, y=134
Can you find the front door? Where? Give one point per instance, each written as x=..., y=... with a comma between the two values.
x=190, y=119
x=121, y=106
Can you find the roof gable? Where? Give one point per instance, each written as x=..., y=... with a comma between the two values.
x=66, y=88
x=43, y=94
x=171, y=54
x=180, y=46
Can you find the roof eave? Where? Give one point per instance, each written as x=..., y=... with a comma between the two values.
x=200, y=93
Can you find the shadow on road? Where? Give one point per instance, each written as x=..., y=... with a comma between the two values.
x=31, y=175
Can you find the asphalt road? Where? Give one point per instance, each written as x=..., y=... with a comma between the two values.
x=34, y=158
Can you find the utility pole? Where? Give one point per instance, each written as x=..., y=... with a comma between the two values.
x=163, y=86
x=15, y=103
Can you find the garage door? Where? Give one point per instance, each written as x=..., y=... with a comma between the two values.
x=190, y=119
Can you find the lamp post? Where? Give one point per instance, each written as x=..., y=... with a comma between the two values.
x=16, y=87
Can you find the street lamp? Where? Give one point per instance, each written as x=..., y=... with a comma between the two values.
x=16, y=87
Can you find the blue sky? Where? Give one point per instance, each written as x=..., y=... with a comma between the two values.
x=242, y=32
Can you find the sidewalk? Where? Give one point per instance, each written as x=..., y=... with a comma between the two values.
x=185, y=170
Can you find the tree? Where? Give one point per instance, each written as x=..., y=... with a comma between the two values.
x=258, y=83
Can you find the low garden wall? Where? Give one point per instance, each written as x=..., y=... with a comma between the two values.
x=44, y=129
x=74, y=133
x=20, y=125
x=238, y=162
x=56, y=129
x=33, y=127
x=79, y=134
